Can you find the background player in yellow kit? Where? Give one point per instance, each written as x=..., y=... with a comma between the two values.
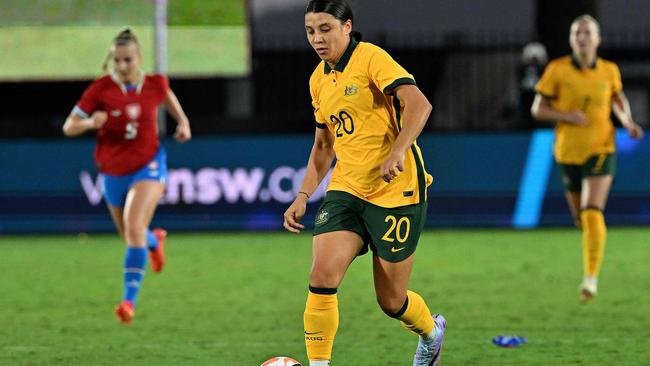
x=579, y=92
x=368, y=113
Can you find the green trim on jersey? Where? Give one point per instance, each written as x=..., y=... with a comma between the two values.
x=419, y=165
x=345, y=58
x=401, y=81
x=576, y=63
x=322, y=126
x=419, y=168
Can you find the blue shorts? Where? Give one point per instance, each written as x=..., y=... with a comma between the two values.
x=116, y=187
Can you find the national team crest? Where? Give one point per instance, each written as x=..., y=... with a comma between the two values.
x=322, y=217
x=133, y=111
x=350, y=90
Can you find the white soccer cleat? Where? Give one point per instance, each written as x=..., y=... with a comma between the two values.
x=429, y=351
x=588, y=289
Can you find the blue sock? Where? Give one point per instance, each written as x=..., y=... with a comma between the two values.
x=152, y=241
x=135, y=262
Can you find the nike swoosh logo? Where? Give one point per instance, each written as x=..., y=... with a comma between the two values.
x=395, y=250
x=310, y=333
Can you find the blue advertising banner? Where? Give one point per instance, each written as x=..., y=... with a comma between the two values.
x=246, y=183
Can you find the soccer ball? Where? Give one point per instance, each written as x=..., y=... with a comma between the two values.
x=281, y=361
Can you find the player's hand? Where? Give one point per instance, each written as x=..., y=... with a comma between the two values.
x=294, y=213
x=98, y=119
x=391, y=168
x=635, y=131
x=183, y=132
x=576, y=117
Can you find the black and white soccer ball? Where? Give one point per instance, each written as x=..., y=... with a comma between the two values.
x=281, y=361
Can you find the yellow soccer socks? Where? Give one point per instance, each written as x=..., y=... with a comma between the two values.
x=415, y=315
x=321, y=321
x=594, y=237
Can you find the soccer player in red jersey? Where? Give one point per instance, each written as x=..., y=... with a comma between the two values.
x=122, y=107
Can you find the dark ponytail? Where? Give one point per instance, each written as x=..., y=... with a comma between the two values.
x=339, y=9
x=123, y=38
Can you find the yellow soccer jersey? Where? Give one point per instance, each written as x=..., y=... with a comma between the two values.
x=355, y=102
x=589, y=90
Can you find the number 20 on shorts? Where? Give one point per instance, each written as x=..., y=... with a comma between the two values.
x=397, y=227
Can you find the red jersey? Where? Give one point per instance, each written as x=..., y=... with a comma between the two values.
x=129, y=138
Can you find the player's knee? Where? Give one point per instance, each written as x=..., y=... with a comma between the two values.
x=591, y=206
x=391, y=305
x=135, y=235
x=323, y=279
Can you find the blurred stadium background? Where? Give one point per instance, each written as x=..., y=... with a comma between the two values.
x=240, y=69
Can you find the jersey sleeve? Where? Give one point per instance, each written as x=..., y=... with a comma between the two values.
x=315, y=100
x=162, y=82
x=386, y=73
x=548, y=84
x=617, y=83
x=89, y=102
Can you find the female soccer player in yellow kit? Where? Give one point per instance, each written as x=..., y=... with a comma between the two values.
x=579, y=92
x=368, y=114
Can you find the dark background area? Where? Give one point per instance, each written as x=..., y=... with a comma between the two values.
x=469, y=69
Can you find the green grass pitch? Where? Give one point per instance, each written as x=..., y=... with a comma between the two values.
x=237, y=299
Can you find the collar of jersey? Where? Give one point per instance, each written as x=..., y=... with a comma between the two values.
x=138, y=86
x=343, y=62
x=576, y=64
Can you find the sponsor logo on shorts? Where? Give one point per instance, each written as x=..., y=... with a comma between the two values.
x=395, y=250
x=322, y=217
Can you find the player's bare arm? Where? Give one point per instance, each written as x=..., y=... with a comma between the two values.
x=183, y=132
x=621, y=108
x=320, y=161
x=75, y=125
x=415, y=112
x=543, y=110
